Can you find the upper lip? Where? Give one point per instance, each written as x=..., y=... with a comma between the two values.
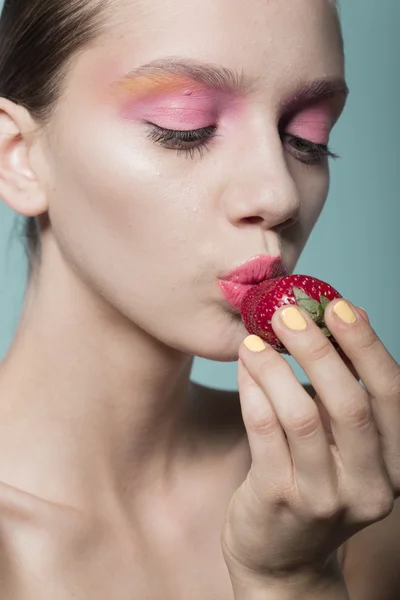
x=257, y=269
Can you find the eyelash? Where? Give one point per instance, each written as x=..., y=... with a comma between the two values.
x=198, y=140
x=189, y=142
x=316, y=153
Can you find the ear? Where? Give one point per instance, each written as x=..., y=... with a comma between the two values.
x=21, y=180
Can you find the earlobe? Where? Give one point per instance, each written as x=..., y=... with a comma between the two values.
x=20, y=186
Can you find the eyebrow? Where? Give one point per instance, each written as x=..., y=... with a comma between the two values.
x=318, y=89
x=208, y=74
x=225, y=79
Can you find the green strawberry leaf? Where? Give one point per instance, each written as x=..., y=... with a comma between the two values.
x=326, y=331
x=304, y=301
x=299, y=293
x=309, y=307
x=324, y=301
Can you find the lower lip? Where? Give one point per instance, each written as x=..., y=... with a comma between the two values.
x=234, y=292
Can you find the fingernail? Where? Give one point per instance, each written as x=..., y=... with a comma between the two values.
x=293, y=319
x=344, y=312
x=254, y=343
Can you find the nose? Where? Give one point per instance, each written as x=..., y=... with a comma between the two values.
x=260, y=188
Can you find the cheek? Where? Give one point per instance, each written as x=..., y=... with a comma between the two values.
x=123, y=201
x=316, y=195
x=100, y=206
x=312, y=184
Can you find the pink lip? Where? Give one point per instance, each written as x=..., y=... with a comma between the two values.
x=237, y=283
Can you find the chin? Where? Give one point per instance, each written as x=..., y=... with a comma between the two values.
x=226, y=355
x=220, y=346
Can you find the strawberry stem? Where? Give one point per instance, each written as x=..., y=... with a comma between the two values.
x=315, y=309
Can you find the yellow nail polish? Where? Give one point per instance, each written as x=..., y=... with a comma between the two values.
x=344, y=312
x=254, y=343
x=293, y=319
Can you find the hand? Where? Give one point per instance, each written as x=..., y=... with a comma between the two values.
x=323, y=468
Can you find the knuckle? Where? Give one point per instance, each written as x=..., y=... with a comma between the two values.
x=393, y=469
x=319, y=350
x=304, y=424
x=367, y=340
x=273, y=364
x=264, y=423
x=278, y=493
x=389, y=391
x=380, y=505
x=270, y=360
x=393, y=385
x=386, y=505
x=356, y=412
x=394, y=475
x=328, y=509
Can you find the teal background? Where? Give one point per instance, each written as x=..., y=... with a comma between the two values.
x=355, y=245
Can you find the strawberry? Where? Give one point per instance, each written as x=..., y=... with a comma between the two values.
x=262, y=300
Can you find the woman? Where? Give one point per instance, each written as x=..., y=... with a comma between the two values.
x=153, y=148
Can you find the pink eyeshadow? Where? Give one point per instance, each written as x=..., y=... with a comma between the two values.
x=313, y=124
x=171, y=101
x=173, y=110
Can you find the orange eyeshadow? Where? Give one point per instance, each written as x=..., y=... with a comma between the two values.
x=142, y=85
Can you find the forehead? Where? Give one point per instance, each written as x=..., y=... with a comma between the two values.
x=219, y=20
x=277, y=45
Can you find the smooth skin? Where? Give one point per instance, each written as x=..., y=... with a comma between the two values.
x=117, y=471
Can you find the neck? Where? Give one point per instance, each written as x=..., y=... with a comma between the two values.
x=97, y=402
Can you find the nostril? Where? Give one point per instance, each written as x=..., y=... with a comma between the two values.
x=285, y=225
x=280, y=227
x=253, y=220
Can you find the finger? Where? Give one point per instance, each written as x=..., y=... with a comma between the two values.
x=314, y=468
x=380, y=374
x=325, y=418
x=374, y=364
x=348, y=364
x=363, y=313
x=270, y=454
x=347, y=403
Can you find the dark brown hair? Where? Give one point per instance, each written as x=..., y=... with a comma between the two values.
x=38, y=40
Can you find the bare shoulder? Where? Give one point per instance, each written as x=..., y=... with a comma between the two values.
x=17, y=521
x=7, y=571
x=33, y=532
x=52, y=551
x=21, y=507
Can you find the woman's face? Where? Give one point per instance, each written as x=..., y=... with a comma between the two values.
x=151, y=219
